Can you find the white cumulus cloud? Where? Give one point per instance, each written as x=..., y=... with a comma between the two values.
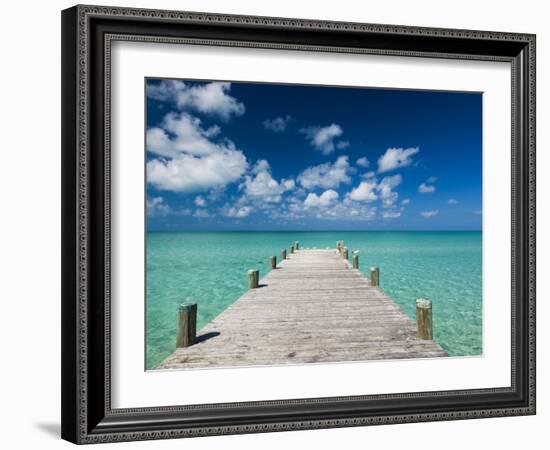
x=428, y=214
x=386, y=192
x=326, y=175
x=452, y=201
x=211, y=98
x=371, y=190
x=391, y=214
x=156, y=206
x=183, y=133
x=187, y=173
x=323, y=138
x=200, y=201
x=278, y=124
x=326, y=206
x=395, y=158
x=363, y=162
x=365, y=192
x=191, y=158
x=325, y=199
x=262, y=186
x=238, y=212
x=426, y=188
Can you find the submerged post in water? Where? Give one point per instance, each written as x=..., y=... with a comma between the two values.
x=273, y=262
x=253, y=278
x=374, y=276
x=424, y=318
x=187, y=325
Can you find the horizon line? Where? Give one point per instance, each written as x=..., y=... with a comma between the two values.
x=307, y=231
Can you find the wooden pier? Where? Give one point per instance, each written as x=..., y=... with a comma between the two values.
x=314, y=307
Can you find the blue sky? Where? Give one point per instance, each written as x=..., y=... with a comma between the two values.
x=252, y=156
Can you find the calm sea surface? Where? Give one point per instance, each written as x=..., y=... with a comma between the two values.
x=210, y=269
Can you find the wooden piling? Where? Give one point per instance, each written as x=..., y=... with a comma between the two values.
x=273, y=262
x=355, y=261
x=253, y=278
x=345, y=253
x=283, y=254
x=292, y=249
x=297, y=245
x=187, y=325
x=424, y=318
x=374, y=276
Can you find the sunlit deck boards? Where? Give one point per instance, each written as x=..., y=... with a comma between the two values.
x=313, y=308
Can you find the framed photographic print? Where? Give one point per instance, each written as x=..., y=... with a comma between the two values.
x=278, y=224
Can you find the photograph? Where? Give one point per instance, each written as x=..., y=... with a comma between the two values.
x=277, y=221
x=292, y=224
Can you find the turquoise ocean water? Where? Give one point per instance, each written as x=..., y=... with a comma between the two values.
x=210, y=269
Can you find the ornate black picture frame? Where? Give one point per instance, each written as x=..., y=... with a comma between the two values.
x=87, y=34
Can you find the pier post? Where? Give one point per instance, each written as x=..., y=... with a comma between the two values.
x=374, y=276
x=253, y=278
x=273, y=262
x=283, y=254
x=345, y=253
x=355, y=261
x=297, y=245
x=187, y=325
x=424, y=318
x=292, y=249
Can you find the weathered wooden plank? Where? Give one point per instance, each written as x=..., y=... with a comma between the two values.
x=314, y=308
